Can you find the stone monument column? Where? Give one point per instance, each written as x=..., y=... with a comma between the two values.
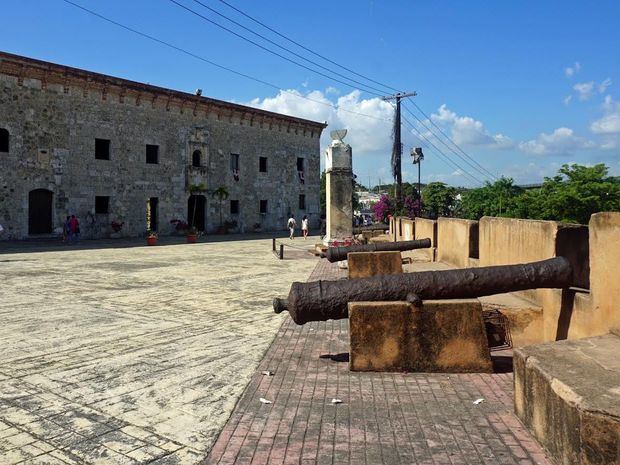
x=339, y=175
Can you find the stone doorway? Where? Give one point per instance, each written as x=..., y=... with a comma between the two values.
x=40, y=211
x=196, y=206
x=151, y=213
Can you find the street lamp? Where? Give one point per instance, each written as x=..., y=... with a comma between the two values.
x=417, y=156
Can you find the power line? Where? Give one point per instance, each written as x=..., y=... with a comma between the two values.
x=451, y=140
x=269, y=50
x=282, y=47
x=304, y=47
x=442, y=155
x=474, y=167
x=217, y=65
x=477, y=167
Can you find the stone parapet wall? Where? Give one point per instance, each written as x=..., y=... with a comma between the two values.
x=605, y=272
x=459, y=241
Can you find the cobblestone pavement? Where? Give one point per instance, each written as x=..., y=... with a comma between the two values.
x=384, y=418
x=131, y=355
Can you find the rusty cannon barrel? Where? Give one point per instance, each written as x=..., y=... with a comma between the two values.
x=327, y=300
x=337, y=254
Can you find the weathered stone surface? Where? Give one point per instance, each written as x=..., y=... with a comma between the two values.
x=52, y=146
x=365, y=264
x=568, y=394
x=442, y=336
x=116, y=351
x=458, y=239
x=524, y=317
x=339, y=190
x=427, y=228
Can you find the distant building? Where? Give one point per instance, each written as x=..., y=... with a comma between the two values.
x=108, y=149
x=367, y=199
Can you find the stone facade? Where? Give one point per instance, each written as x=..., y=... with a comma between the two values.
x=54, y=114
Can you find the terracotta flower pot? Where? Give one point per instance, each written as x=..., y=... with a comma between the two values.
x=191, y=238
x=151, y=240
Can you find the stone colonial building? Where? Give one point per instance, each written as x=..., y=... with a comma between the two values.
x=108, y=149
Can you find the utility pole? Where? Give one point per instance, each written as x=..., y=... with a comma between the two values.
x=397, y=149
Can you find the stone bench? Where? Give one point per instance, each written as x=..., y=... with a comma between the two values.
x=568, y=394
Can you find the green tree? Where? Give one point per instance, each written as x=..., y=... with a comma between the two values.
x=221, y=193
x=573, y=195
x=439, y=199
x=493, y=199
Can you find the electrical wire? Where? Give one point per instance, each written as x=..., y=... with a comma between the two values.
x=251, y=31
x=217, y=65
x=468, y=159
x=439, y=152
x=451, y=140
x=474, y=167
x=304, y=47
x=301, y=65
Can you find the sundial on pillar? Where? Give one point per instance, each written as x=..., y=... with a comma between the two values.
x=338, y=154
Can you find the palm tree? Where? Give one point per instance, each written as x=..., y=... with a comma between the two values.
x=221, y=193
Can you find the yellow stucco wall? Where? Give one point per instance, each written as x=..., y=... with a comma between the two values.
x=605, y=272
x=453, y=237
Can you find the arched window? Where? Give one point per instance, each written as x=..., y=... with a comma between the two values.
x=196, y=158
x=4, y=140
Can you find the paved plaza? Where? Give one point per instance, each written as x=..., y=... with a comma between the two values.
x=115, y=353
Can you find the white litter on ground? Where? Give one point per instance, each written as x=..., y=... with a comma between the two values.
x=265, y=401
x=336, y=401
x=478, y=401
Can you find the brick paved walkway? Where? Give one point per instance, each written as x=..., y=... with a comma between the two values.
x=384, y=418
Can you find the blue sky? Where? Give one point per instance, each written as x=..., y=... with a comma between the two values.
x=521, y=87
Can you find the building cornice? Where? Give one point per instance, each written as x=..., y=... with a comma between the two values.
x=48, y=73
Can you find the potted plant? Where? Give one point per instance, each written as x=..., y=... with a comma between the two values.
x=192, y=234
x=151, y=237
x=117, y=228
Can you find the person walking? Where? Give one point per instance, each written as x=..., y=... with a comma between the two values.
x=74, y=227
x=291, y=223
x=66, y=229
x=304, y=226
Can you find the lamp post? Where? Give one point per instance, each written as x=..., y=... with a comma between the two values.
x=417, y=156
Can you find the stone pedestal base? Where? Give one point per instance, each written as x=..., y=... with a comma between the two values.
x=567, y=394
x=442, y=336
x=366, y=264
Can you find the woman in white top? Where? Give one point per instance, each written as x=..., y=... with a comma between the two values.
x=304, y=226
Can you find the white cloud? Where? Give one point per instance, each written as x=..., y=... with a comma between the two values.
x=561, y=141
x=365, y=134
x=609, y=123
x=602, y=87
x=332, y=90
x=567, y=99
x=572, y=70
x=467, y=131
x=585, y=90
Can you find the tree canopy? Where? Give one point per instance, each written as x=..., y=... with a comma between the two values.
x=439, y=199
x=574, y=194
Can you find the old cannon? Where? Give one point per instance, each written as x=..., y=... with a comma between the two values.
x=327, y=300
x=337, y=254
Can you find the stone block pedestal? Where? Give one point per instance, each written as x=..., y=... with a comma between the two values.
x=366, y=264
x=442, y=336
